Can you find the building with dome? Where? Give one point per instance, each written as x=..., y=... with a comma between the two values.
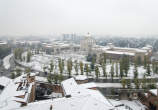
x=87, y=43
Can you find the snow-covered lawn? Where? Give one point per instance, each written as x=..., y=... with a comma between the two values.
x=78, y=57
x=141, y=72
x=6, y=62
x=39, y=61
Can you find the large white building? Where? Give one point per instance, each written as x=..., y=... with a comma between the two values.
x=87, y=43
x=114, y=52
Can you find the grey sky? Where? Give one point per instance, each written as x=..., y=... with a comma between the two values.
x=38, y=17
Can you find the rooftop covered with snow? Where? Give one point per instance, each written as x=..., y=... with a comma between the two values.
x=10, y=96
x=153, y=91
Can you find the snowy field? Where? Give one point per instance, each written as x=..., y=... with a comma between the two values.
x=141, y=72
x=6, y=62
x=39, y=61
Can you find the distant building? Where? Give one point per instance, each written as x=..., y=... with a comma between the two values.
x=87, y=43
x=88, y=46
x=71, y=37
x=59, y=47
x=118, y=52
x=3, y=43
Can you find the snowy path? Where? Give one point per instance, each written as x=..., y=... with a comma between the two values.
x=6, y=61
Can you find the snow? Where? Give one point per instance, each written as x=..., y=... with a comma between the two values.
x=41, y=105
x=6, y=62
x=75, y=90
x=132, y=49
x=146, y=94
x=73, y=103
x=3, y=43
x=4, y=81
x=118, y=104
x=153, y=91
x=125, y=104
x=109, y=85
x=81, y=99
x=69, y=85
x=30, y=87
x=39, y=61
x=41, y=79
x=7, y=97
x=86, y=99
x=135, y=105
x=141, y=72
x=24, y=100
x=20, y=93
x=71, y=88
x=56, y=95
x=115, y=102
x=121, y=53
x=80, y=103
x=81, y=77
x=88, y=85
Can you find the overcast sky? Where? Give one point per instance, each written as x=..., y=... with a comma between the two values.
x=39, y=17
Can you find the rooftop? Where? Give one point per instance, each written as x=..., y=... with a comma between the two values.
x=153, y=91
x=10, y=96
x=74, y=90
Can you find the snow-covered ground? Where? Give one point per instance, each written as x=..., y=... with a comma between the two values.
x=39, y=61
x=6, y=62
x=73, y=56
x=141, y=71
